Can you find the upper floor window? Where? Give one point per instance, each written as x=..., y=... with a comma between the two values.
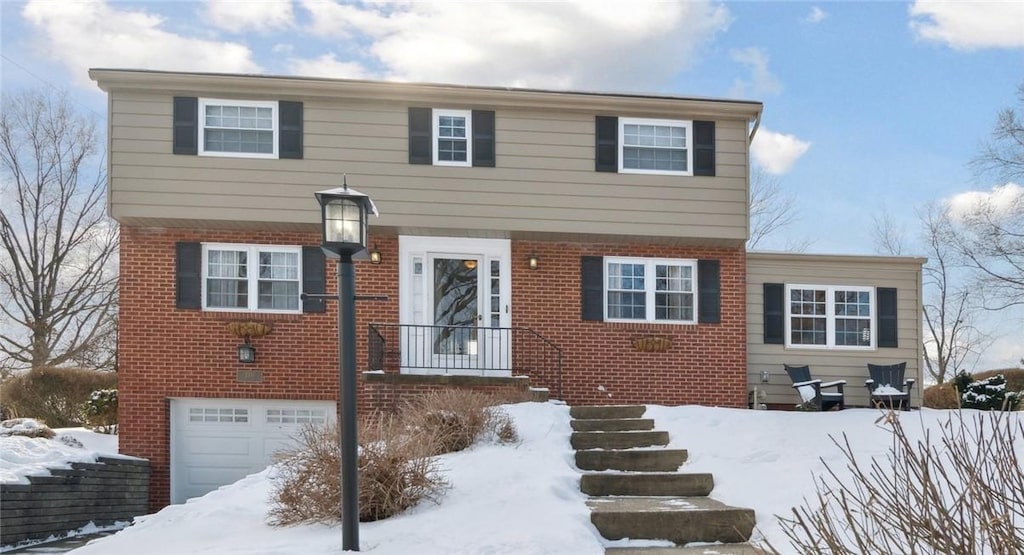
x=650, y=290
x=655, y=146
x=832, y=317
x=240, y=128
x=251, y=277
x=452, y=132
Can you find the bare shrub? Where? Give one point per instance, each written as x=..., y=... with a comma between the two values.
x=941, y=396
x=959, y=495
x=56, y=395
x=395, y=473
x=456, y=419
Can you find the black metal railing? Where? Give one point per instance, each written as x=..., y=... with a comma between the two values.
x=466, y=350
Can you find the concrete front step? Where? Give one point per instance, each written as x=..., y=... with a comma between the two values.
x=605, y=412
x=681, y=520
x=711, y=549
x=673, y=484
x=639, y=460
x=613, y=425
x=617, y=440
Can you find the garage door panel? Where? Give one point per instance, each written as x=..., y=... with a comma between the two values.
x=215, y=442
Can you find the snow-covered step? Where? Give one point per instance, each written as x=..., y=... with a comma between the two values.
x=680, y=520
x=675, y=484
x=613, y=425
x=617, y=440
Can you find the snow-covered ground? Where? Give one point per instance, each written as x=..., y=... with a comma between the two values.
x=525, y=498
x=25, y=456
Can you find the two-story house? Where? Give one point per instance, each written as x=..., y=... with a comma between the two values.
x=591, y=244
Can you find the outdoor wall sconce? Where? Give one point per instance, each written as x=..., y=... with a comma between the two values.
x=374, y=255
x=246, y=352
x=533, y=261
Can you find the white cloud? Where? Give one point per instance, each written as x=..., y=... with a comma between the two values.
x=816, y=15
x=577, y=44
x=92, y=33
x=969, y=25
x=777, y=152
x=1002, y=199
x=762, y=81
x=327, y=66
x=237, y=17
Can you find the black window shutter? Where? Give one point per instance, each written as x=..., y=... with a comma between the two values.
x=887, y=336
x=289, y=132
x=483, y=138
x=188, y=275
x=186, y=125
x=774, y=313
x=420, y=124
x=313, y=281
x=709, y=292
x=592, y=281
x=704, y=148
x=606, y=149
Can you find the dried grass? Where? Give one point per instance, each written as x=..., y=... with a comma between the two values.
x=457, y=419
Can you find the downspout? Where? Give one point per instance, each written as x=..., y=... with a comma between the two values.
x=757, y=123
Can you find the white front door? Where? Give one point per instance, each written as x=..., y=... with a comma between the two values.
x=454, y=298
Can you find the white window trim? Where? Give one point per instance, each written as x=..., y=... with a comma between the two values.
x=253, y=275
x=649, y=287
x=830, y=317
x=437, y=114
x=687, y=124
x=203, y=102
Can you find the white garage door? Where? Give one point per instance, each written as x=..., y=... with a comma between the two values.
x=215, y=442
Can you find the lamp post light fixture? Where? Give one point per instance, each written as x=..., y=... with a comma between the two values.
x=344, y=213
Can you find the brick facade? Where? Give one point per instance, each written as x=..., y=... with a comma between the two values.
x=166, y=352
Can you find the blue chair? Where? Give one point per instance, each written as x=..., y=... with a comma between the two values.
x=887, y=386
x=810, y=390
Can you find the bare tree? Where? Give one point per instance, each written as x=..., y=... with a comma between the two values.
x=771, y=209
x=58, y=280
x=951, y=338
x=1003, y=154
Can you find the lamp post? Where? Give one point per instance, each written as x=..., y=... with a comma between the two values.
x=343, y=214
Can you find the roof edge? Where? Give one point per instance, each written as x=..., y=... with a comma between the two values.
x=864, y=258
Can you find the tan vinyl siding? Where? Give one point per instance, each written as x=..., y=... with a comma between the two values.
x=832, y=364
x=544, y=181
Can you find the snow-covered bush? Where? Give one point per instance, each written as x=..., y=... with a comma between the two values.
x=101, y=411
x=989, y=394
x=27, y=427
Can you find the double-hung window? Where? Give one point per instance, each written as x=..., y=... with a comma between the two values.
x=239, y=128
x=452, y=132
x=655, y=146
x=832, y=317
x=251, y=278
x=650, y=290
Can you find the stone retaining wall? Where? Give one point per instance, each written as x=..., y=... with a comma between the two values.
x=104, y=492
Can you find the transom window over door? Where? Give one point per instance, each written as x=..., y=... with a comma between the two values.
x=452, y=132
x=251, y=277
x=238, y=128
x=650, y=289
x=655, y=146
x=830, y=316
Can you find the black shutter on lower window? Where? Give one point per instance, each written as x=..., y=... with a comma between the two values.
x=313, y=280
x=483, y=138
x=606, y=148
x=188, y=275
x=420, y=124
x=709, y=292
x=774, y=314
x=592, y=287
x=289, y=133
x=887, y=334
x=704, y=148
x=186, y=125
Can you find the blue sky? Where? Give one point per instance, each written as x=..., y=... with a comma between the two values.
x=869, y=106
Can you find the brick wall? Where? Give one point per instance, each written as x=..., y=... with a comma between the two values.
x=166, y=352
